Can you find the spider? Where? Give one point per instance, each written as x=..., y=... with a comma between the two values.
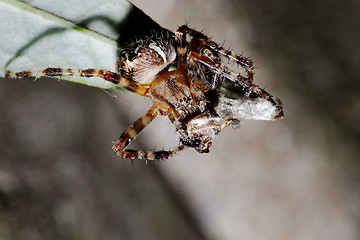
x=188, y=95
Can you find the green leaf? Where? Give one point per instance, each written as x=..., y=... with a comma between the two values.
x=67, y=34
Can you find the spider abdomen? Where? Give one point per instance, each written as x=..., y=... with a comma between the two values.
x=143, y=60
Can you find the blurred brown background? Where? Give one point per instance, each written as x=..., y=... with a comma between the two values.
x=296, y=178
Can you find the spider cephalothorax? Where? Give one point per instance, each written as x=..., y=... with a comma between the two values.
x=190, y=96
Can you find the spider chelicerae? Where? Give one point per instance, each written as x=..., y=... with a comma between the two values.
x=189, y=96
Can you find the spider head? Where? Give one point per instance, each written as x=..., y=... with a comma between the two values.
x=200, y=131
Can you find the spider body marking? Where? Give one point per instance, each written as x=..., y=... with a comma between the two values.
x=187, y=95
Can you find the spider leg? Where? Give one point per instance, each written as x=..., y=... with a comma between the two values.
x=204, y=42
x=235, y=123
x=218, y=69
x=239, y=59
x=126, y=138
x=209, y=58
x=201, y=42
x=181, y=45
x=246, y=83
x=128, y=84
x=215, y=81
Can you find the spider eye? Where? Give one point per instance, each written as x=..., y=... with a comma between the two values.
x=183, y=101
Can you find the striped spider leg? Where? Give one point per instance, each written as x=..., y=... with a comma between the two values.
x=107, y=75
x=126, y=138
x=202, y=51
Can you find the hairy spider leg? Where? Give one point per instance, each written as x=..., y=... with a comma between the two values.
x=182, y=49
x=235, y=123
x=244, y=82
x=175, y=121
x=218, y=69
x=126, y=138
x=201, y=41
x=204, y=42
x=107, y=75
